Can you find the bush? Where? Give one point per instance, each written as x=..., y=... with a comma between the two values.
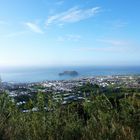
x=94, y=120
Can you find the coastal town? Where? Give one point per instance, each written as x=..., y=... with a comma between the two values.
x=66, y=91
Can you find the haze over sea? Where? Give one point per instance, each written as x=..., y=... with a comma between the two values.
x=52, y=73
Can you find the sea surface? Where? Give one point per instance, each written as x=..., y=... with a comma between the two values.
x=23, y=75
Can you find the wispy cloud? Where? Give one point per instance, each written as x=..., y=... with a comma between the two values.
x=101, y=49
x=34, y=27
x=60, y=2
x=118, y=24
x=15, y=34
x=130, y=48
x=113, y=42
x=70, y=37
x=3, y=22
x=72, y=15
x=112, y=46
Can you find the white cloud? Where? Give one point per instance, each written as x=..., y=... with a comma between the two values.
x=3, y=22
x=34, y=27
x=119, y=24
x=132, y=48
x=113, y=42
x=73, y=15
x=15, y=34
x=102, y=49
x=73, y=37
x=69, y=37
x=112, y=46
x=60, y=2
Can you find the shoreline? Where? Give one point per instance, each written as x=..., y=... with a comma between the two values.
x=76, y=79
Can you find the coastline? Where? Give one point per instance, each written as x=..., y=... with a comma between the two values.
x=29, y=75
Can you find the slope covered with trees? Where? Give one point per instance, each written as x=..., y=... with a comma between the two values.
x=98, y=117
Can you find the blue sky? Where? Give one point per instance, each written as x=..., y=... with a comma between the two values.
x=69, y=32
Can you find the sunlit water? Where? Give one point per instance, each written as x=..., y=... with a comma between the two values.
x=52, y=73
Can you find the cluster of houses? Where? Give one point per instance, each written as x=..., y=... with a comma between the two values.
x=64, y=90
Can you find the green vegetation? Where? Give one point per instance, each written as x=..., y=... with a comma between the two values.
x=99, y=117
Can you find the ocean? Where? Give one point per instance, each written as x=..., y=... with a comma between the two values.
x=23, y=75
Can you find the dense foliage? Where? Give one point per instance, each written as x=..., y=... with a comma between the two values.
x=97, y=118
